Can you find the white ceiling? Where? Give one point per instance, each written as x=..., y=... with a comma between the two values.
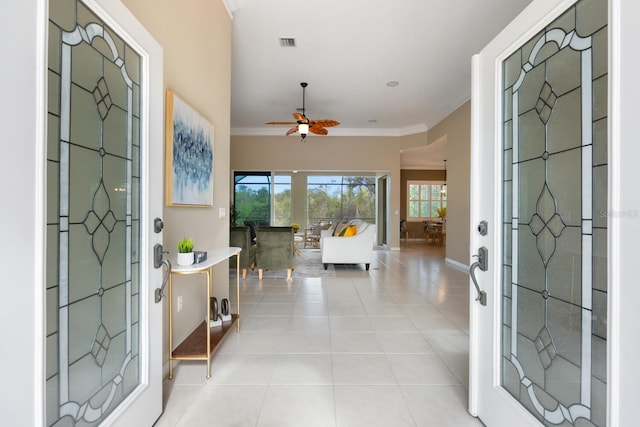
x=347, y=50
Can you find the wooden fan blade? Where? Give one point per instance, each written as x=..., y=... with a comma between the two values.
x=325, y=123
x=299, y=117
x=318, y=130
x=280, y=123
x=292, y=130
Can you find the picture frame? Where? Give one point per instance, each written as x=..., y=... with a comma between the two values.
x=188, y=155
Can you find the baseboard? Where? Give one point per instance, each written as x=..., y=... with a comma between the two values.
x=457, y=264
x=165, y=369
x=394, y=248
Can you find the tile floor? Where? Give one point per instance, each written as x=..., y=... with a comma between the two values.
x=388, y=347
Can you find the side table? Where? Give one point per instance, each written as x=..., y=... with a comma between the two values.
x=201, y=342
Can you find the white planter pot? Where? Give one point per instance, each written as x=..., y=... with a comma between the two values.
x=185, y=258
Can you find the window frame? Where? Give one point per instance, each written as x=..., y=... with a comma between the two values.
x=442, y=200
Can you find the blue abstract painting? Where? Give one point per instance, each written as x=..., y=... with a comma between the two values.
x=191, y=155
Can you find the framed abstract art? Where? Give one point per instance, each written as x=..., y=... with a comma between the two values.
x=189, y=155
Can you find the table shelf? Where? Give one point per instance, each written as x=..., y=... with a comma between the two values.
x=194, y=347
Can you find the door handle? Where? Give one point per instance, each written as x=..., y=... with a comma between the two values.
x=483, y=264
x=159, y=261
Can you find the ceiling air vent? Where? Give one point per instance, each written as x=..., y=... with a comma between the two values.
x=287, y=42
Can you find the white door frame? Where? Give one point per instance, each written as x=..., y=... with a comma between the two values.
x=624, y=205
x=624, y=216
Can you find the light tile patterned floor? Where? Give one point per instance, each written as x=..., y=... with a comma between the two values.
x=388, y=347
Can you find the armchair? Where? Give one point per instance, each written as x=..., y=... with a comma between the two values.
x=240, y=237
x=312, y=236
x=275, y=249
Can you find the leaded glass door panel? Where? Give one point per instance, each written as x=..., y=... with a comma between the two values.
x=101, y=346
x=546, y=363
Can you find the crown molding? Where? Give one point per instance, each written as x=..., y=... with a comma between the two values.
x=381, y=132
x=232, y=6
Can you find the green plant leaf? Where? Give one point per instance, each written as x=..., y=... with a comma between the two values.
x=185, y=246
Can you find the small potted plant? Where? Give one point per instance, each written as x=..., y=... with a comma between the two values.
x=185, y=252
x=442, y=212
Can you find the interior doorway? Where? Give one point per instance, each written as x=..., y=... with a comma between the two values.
x=383, y=210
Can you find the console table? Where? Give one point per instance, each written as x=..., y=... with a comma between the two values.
x=201, y=342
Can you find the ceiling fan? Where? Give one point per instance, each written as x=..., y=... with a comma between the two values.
x=303, y=125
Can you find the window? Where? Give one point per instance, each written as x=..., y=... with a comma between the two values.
x=423, y=200
x=340, y=197
x=252, y=197
x=281, y=200
x=262, y=198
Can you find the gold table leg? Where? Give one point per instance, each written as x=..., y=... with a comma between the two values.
x=170, y=306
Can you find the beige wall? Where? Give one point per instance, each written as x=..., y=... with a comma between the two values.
x=457, y=129
x=196, y=39
x=367, y=154
x=374, y=154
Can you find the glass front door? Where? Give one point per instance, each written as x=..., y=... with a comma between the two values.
x=554, y=246
x=94, y=207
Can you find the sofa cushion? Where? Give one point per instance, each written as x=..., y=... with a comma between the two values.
x=351, y=230
x=340, y=227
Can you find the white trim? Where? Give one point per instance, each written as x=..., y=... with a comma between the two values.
x=39, y=263
x=457, y=264
x=232, y=6
x=280, y=131
x=474, y=313
x=614, y=268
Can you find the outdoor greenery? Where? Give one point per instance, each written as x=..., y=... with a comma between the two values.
x=252, y=204
x=328, y=198
x=282, y=207
x=341, y=197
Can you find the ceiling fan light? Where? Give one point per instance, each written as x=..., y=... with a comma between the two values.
x=303, y=128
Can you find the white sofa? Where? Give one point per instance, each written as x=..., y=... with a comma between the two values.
x=356, y=249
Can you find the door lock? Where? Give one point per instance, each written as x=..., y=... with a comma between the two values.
x=482, y=228
x=158, y=225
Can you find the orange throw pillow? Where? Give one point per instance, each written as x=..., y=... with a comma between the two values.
x=351, y=231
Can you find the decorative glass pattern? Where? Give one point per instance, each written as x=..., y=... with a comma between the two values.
x=554, y=204
x=93, y=224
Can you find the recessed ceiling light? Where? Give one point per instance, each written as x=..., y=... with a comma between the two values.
x=392, y=83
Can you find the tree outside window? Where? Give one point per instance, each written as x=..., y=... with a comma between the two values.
x=262, y=198
x=338, y=197
x=281, y=200
x=252, y=197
